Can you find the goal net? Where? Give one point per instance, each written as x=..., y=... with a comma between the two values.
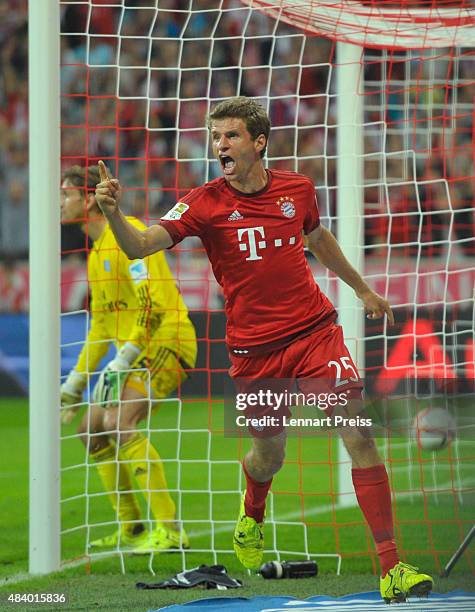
x=138, y=79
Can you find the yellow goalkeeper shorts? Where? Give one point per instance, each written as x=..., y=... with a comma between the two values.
x=160, y=371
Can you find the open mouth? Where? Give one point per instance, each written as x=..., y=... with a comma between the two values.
x=228, y=164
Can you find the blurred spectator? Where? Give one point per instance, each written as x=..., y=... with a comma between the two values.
x=14, y=219
x=14, y=208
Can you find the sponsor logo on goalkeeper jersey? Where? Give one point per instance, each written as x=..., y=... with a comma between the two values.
x=287, y=206
x=107, y=265
x=176, y=212
x=138, y=271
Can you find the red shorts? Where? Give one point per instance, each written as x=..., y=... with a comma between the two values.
x=319, y=362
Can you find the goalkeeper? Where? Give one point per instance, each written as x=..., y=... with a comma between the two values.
x=138, y=306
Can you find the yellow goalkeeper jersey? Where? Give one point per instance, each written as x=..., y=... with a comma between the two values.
x=133, y=301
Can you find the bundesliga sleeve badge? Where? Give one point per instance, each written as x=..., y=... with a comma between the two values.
x=176, y=212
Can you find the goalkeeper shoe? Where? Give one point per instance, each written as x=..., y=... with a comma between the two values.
x=248, y=539
x=163, y=539
x=403, y=581
x=120, y=539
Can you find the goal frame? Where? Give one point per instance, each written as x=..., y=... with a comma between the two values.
x=44, y=315
x=350, y=230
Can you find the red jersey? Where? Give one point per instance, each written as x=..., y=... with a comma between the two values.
x=254, y=243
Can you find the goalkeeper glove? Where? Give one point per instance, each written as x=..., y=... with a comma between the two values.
x=108, y=388
x=71, y=395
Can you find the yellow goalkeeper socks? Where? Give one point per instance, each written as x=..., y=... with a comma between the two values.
x=117, y=482
x=147, y=467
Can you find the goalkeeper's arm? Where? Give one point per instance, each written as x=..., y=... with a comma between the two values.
x=71, y=395
x=73, y=387
x=96, y=346
x=135, y=243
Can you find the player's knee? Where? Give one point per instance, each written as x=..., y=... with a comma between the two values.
x=126, y=430
x=277, y=463
x=96, y=443
x=82, y=430
x=278, y=457
x=88, y=427
x=268, y=464
x=131, y=417
x=365, y=446
x=360, y=447
x=83, y=436
x=122, y=422
x=268, y=469
x=111, y=420
x=92, y=437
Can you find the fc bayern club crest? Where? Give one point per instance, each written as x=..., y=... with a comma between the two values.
x=287, y=206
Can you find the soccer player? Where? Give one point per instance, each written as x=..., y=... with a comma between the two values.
x=279, y=323
x=138, y=306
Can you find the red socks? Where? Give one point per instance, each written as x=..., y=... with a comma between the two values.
x=255, y=500
x=374, y=497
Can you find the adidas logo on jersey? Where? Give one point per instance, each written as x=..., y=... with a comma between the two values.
x=235, y=216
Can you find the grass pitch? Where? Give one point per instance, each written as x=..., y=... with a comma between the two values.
x=302, y=516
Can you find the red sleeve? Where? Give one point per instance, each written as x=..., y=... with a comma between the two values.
x=312, y=217
x=189, y=217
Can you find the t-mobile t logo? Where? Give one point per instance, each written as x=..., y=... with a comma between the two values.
x=251, y=242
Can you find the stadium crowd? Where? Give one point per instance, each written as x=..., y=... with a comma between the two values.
x=142, y=120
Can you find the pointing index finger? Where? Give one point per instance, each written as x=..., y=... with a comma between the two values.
x=103, y=171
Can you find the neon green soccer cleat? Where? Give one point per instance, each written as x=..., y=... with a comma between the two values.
x=121, y=540
x=248, y=540
x=403, y=581
x=163, y=539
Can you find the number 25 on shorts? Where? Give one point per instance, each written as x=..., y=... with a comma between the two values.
x=344, y=371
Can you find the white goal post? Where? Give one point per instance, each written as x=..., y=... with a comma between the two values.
x=350, y=210
x=44, y=149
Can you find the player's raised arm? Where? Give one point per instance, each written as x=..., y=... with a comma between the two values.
x=135, y=243
x=322, y=243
